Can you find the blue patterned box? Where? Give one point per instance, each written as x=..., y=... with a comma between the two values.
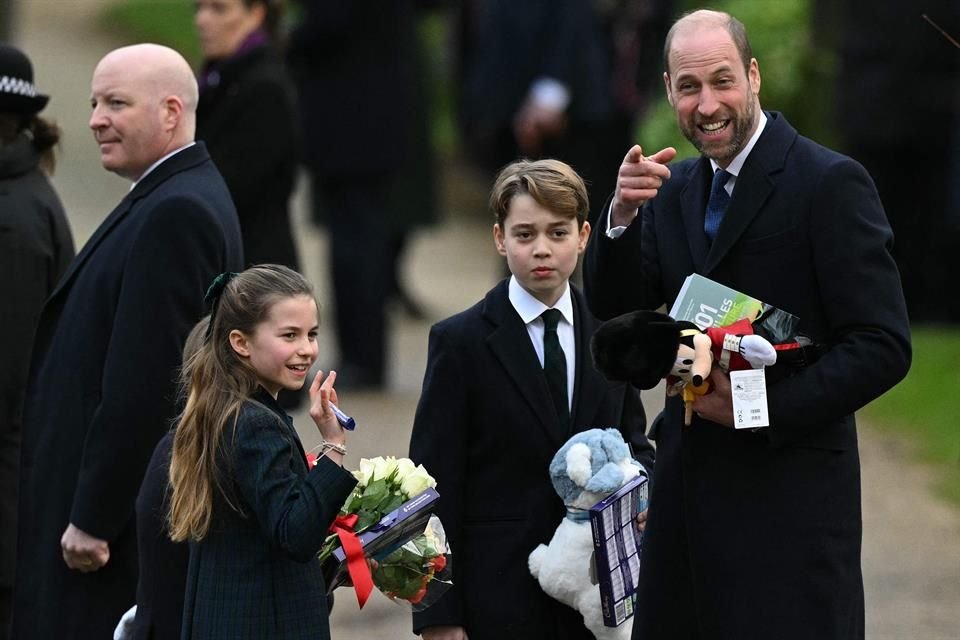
x=616, y=544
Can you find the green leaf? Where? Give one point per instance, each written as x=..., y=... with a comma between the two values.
x=366, y=518
x=391, y=503
x=403, y=581
x=374, y=494
x=353, y=502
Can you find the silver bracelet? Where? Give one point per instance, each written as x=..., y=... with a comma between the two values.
x=332, y=446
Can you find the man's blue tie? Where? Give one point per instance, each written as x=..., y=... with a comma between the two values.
x=555, y=364
x=717, y=205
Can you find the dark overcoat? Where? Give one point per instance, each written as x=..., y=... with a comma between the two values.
x=353, y=86
x=249, y=122
x=256, y=573
x=35, y=249
x=486, y=429
x=758, y=534
x=101, y=391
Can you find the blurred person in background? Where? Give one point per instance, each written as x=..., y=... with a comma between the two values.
x=886, y=62
x=247, y=116
x=356, y=73
x=565, y=79
x=35, y=249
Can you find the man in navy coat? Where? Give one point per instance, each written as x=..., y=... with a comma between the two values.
x=755, y=533
x=101, y=389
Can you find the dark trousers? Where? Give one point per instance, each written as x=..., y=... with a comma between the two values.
x=354, y=210
x=6, y=611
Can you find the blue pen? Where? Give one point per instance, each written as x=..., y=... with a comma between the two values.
x=345, y=421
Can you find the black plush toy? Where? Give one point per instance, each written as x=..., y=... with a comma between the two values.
x=643, y=347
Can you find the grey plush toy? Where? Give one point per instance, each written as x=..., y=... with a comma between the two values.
x=590, y=466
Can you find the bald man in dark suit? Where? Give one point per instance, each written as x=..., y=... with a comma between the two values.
x=101, y=388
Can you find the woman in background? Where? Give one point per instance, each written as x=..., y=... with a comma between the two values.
x=247, y=118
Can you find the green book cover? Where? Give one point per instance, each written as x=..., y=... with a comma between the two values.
x=707, y=303
x=710, y=304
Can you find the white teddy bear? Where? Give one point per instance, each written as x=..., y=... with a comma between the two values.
x=589, y=467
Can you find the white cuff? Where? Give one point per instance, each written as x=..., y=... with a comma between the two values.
x=613, y=232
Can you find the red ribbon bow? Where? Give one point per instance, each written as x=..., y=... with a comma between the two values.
x=357, y=565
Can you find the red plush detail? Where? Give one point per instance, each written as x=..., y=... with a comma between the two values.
x=742, y=327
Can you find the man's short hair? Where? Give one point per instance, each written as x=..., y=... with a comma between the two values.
x=738, y=33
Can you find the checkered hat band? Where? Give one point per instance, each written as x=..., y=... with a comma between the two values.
x=17, y=86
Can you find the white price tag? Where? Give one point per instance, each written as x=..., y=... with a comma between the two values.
x=749, y=389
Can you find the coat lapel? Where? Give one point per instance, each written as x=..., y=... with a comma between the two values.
x=693, y=203
x=510, y=344
x=118, y=213
x=589, y=385
x=186, y=159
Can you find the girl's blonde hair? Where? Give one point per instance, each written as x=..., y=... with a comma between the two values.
x=217, y=382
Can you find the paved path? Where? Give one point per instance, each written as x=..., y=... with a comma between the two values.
x=911, y=555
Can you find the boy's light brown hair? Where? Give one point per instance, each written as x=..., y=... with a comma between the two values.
x=553, y=184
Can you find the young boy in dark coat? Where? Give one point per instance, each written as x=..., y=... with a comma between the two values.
x=503, y=390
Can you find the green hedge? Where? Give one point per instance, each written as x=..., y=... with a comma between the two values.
x=166, y=22
x=925, y=406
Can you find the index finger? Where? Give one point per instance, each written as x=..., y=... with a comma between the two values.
x=315, y=385
x=656, y=164
x=328, y=383
x=663, y=156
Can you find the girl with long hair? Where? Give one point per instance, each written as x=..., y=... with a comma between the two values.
x=242, y=493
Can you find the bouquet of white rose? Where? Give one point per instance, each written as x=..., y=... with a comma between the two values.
x=386, y=519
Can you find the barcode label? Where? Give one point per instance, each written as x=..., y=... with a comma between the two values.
x=620, y=611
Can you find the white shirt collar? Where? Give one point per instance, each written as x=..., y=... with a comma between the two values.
x=159, y=162
x=530, y=308
x=737, y=163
